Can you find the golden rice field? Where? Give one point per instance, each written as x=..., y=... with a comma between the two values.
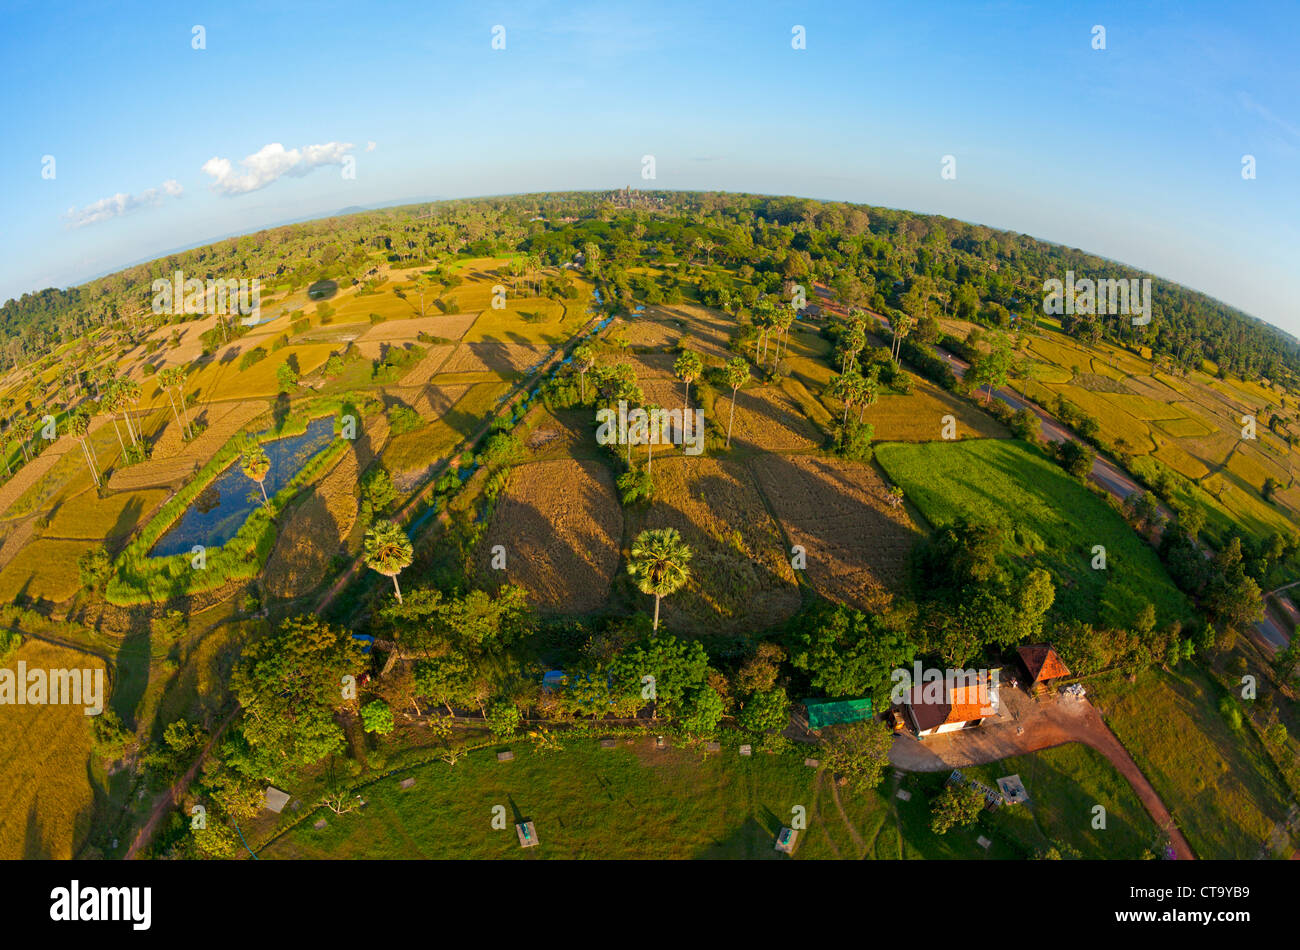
x=1191, y=424
x=47, y=799
x=111, y=519
x=44, y=569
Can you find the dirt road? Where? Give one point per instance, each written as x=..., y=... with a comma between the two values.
x=1028, y=726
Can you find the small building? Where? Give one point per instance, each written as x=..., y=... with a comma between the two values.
x=934, y=708
x=785, y=840
x=1042, y=665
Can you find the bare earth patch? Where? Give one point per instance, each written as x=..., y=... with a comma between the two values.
x=561, y=526
x=840, y=512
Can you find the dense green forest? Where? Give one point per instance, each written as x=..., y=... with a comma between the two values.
x=875, y=257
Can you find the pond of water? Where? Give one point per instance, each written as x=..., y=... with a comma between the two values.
x=218, y=512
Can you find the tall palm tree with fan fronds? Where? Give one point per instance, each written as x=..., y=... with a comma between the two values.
x=660, y=564
x=388, y=550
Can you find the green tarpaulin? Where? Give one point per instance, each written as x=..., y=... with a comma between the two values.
x=829, y=712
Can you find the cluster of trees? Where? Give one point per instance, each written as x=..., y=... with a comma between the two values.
x=969, y=603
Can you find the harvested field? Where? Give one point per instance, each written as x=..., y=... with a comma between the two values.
x=741, y=578
x=841, y=513
x=429, y=366
x=46, y=800
x=447, y=326
x=561, y=525
x=27, y=476
x=767, y=419
x=161, y=471
x=43, y=570
x=313, y=531
x=168, y=443
x=431, y=402
x=503, y=358
x=667, y=327
x=566, y=433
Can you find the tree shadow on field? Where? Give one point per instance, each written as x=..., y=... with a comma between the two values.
x=132, y=679
x=322, y=290
x=731, y=587
x=35, y=845
x=115, y=540
x=577, y=566
x=845, y=536
x=750, y=840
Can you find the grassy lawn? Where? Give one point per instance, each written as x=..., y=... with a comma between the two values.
x=1051, y=520
x=588, y=802
x=637, y=802
x=1218, y=784
x=1065, y=784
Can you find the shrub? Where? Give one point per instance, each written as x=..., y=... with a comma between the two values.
x=403, y=419
x=503, y=719
x=955, y=807
x=253, y=356
x=377, y=717
x=95, y=568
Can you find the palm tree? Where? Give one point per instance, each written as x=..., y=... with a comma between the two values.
x=650, y=410
x=79, y=424
x=737, y=374
x=902, y=327
x=388, y=551
x=851, y=346
x=868, y=392
x=765, y=320
x=688, y=368
x=659, y=563
x=174, y=379
x=781, y=319
x=584, y=357
x=128, y=395
x=111, y=402
x=26, y=429
x=256, y=465
x=847, y=388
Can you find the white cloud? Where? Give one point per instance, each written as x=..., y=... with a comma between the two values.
x=370, y=146
x=271, y=163
x=122, y=203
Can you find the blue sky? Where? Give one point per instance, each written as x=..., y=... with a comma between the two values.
x=1133, y=152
